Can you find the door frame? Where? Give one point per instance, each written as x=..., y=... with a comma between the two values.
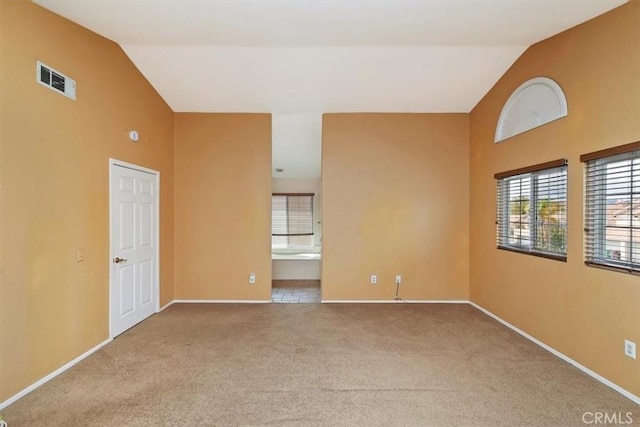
x=156, y=232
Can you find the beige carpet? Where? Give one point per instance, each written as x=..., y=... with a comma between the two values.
x=318, y=364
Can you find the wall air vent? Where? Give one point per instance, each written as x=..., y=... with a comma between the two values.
x=55, y=80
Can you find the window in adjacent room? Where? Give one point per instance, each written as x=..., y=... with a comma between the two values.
x=291, y=219
x=532, y=210
x=612, y=207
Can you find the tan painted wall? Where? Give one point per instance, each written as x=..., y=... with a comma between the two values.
x=396, y=201
x=223, y=208
x=396, y=187
x=583, y=312
x=55, y=189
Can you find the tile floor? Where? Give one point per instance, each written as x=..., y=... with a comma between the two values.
x=295, y=295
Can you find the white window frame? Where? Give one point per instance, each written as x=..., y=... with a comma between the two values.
x=596, y=212
x=533, y=174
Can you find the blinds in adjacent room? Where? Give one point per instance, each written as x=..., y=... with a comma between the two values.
x=292, y=214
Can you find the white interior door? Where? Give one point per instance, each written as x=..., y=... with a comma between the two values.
x=134, y=222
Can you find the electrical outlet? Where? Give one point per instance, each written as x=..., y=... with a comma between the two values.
x=630, y=349
x=374, y=279
x=398, y=279
x=252, y=278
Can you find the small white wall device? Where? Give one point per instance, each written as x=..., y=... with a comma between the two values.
x=133, y=136
x=55, y=81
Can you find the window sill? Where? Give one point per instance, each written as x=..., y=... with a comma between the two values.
x=611, y=267
x=554, y=257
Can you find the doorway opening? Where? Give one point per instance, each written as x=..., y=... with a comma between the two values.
x=296, y=209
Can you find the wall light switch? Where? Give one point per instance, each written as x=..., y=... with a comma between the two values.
x=79, y=255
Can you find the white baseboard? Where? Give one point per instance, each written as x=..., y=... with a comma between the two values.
x=556, y=353
x=53, y=374
x=166, y=305
x=220, y=301
x=386, y=301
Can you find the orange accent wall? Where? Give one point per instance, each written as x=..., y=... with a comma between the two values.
x=54, y=196
x=395, y=201
x=583, y=312
x=223, y=208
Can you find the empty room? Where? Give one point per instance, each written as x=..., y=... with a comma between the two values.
x=309, y=212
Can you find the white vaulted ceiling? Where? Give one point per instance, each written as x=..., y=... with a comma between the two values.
x=313, y=56
x=298, y=59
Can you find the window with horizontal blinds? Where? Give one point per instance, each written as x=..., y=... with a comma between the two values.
x=612, y=208
x=532, y=210
x=292, y=214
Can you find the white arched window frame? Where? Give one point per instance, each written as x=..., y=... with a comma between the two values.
x=534, y=103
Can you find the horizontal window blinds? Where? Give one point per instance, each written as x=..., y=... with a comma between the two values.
x=532, y=210
x=612, y=209
x=292, y=214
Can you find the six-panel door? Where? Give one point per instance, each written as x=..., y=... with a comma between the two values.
x=133, y=247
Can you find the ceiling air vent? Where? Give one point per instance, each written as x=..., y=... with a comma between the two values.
x=55, y=80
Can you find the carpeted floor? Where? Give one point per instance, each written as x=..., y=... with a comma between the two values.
x=318, y=364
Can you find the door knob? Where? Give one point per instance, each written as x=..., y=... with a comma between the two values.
x=119, y=260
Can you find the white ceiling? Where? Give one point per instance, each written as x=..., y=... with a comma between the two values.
x=300, y=58
x=296, y=145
